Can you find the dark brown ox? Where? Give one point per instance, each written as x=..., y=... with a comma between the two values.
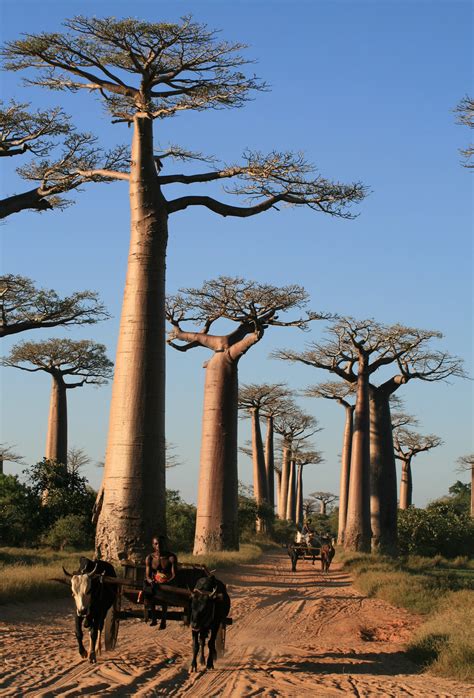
x=327, y=554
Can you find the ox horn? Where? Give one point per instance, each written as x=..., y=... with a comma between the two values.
x=68, y=574
x=91, y=574
x=213, y=593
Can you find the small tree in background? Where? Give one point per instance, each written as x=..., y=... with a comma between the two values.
x=340, y=392
x=466, y=464
x=19, y=512
x=23, y=306
x=7, y=453
x=256, y=399
x=303, y=458
x=325, y=500
x=293, y=426
x=409, y=444
x=82, y=360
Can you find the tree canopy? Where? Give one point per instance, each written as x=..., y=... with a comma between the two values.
x=23, y=306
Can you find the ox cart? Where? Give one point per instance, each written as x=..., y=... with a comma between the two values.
x=176, y=595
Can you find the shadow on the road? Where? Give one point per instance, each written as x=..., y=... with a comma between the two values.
x=296, y=583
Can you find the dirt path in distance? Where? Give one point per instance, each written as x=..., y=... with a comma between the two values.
x=294, y=635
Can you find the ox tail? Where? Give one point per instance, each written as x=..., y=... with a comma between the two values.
x=98, y=644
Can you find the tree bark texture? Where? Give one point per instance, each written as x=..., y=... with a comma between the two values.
x=217, y=509
x=133, y=487
x=278, y=490
x=406, y=485
x=383, y=475
x=357, y=534
x=299, y=496
x=259, y=470
x=31, y=199
x=345, y=472
x=285, y=478
x=56, y=439
x=270, y=463
x=291, y=497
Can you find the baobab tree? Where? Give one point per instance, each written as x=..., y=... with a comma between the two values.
x=272, y=408
x=355, y=351
x=340, y=392
x=325, y=499
x=8, y=453
x=303, y=458
x=255, y=399
x=55, y=166
x=409, y=444
x=23, y=306
x=293, y=426
x=146, y=71
x=465, y=114
x=77, y=458
x=71, y=364
x=466, y=464
x=253, y=307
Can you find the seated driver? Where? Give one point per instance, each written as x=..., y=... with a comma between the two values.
x=160, y=568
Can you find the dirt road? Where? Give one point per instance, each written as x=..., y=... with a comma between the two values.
x=293, y=635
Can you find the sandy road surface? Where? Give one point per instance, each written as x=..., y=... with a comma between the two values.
x=293, y=635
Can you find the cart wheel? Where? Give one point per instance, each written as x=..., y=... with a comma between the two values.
x=220, y=641
x=111, y=625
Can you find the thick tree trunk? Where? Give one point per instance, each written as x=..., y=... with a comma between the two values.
x=406, y=485
x=270, y=463
x=259, y=470
x=56, y=439
x=285, y=478
x=278, y=490
x=291, y=497
x=472, y=491
x=217, y=509
x=299, y=496
x=345, y=472
x=133, y=487
x=357, y=534
x=383, y=475
x=322, y=508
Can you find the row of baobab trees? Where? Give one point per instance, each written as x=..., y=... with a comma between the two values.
x=354, y=352
x=144, y=72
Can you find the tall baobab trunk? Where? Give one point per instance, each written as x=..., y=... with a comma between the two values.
x=383, y=475
x=406, y=485
x=259, y=470
x=285, y=478
x=278, y=490
x=472, y=490
x=216, y=520
x=131, y=502
x=299, y=496
x=322, y=507
x=345, y=472
x=357, y=534
x=270, y=463
x=56, y=439
x=291, y=497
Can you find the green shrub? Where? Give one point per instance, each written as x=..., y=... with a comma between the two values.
x=180, y=521
x=73, y=531
x=19, y=506
x=440, y=529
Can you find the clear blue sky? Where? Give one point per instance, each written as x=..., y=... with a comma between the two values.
x=367, y=90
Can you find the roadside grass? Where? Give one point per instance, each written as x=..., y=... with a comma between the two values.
x=441, y=590
x=25, y=574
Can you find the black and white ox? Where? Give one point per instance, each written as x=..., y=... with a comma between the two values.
x=210, y=606
x=93, y=598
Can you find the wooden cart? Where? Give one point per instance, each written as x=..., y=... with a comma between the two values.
x=176, y=596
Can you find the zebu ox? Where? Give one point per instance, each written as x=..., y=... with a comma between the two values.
x=327, y=554
x=210, y=605
x=93, y=599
